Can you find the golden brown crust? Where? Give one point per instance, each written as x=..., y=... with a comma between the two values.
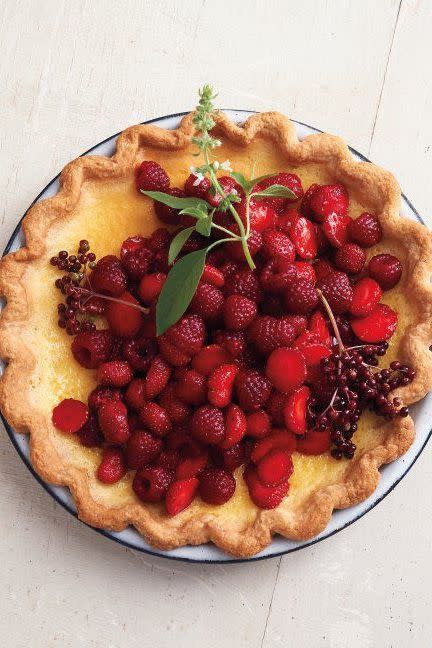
x=361, y=475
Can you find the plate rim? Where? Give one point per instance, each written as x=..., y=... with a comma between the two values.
x=159, y=553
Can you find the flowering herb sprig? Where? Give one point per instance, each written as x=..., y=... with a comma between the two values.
x=184, y=276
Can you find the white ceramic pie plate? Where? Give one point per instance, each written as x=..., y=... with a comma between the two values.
x=390, y=474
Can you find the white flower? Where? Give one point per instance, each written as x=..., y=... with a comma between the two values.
x=192, y=169
x=199, y=178
x=216, y=165
x=226, y=166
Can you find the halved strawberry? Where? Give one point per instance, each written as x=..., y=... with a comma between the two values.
x=307, y=337
x=377, y=326
x=313, y=354
x=235, y=426
x=318, y=326
x=180, y=495
x=335, y=227
x=303, y=235
x=265, y=497
x=287, y=219
x=315, y=442
x=279, y=438
x=275, y=467
x=295, y=410
x=261, y=215
x=124, y=320
x=286, y=369
x=366, y=296
x=191, y=466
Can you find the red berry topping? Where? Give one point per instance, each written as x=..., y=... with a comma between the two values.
x=261, y=215
x=315, y=442
x=290, y=180
x=319, y=328
x=108, y=277
x=113, y=422
x=377, y=326
x=305, y=206
x=91, y=348
x=258, y=424
x=300, y=296
x=275, y=467
x=151, y=177
x=305, y=270
x=180, y=495
x=151, y=483
x=112, y=467
x=277, y=274
x=157, y=377
x=335, y=227
x=131, y=245
x=208, y=424
x=117, y=373
x=124, y=320
x=229, y=186
x=322, y=268
x=229, y=459
x=303, y=235
x=159, y=240
x=69, y=415
x=277, y=244
x=286, y=369
x=101, y=395
x=265, y=497
x=253, y=389
x=366, y=296
x=267, y=333
x=337, y=289
x=169, y=215
x=156, y=419
x=213, y=276
x=196, y=187
x=235, y=426
x=139, y=352
x=168, y=459
x=365, y=230
x=187, y=334
x=151, y=286
x=238, y=312
x=176, y=409
x=191, y=466
x=255, y=243
x=216, y=486
x=141, y=449
x=278, y=439
x=234, y=342
x=295, y=411
x=191, y=387
x=207, y=301
x=329, y=199
x=90, y=434
x=138, y=263
x=171, y=353
x=245, y=283
x=350, y=258
x=210, y=357
x=386, y=269
x=221, y=384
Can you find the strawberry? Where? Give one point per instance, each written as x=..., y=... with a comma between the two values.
x=213, y=276
x=196, y=187
x=315, y=442
x=238, y=312
x=365, y=230
x=277, y=244
x=191, y=388
x=221, y=384
x=261, y=215
x=295, y=411
x=350, y=258
x=318, y=327
x=265, y=497
x=303, y=235
x=258, y=424
x=112, y=466
x=132, y=244
x=286, y=368
x=305, y=207
x=117, y=373
x=150, y=176
x=337, y=289
x=229, y=186
x=180, y=495
x=277, y=439
x=156, y=419
x=124, y=320
x=275, y=467
x=287, y=219
x=69, y=415
x=235, y=426
x=229, y=459
x=335, y=227
x=113, y=422
x=267, y=333
x=276, y=275
x=313, y=354
x=141, y=449
x=376, y=327
x=386, y=269
x=151, y=483
x=300, y=296
x=157, y=377
x=275, y=406
x=235, y=250
x=289, y=180
x=322, y=268
x=191, y=466
x=208, y=424
x=210, y=357
x=366, y=296
x=177, y=410
x=305, y=271
x=150, y=287
x=216, y=486
x=253, y=389
x=329, y=199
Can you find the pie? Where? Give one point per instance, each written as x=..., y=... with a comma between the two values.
x=241, y=420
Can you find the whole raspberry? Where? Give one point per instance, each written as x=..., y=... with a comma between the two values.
x=305, y=206
x=234, y=342
x=337, y=289
x=229, y=186
x=168, y=459
x=329, y=199
x=92, y=348
x=300, y=296
x=229, y=268
x=177, y=410
x=267, y=333
x=216, y=485
x=151, y=177
x=171, y=353
x=160, y=239
x=141, y=449
x=108, y=277
x=151, y=286
x=187, y=334
x=100, y=395
x=277, y=244
x=238, y=312
x=275, y=407
x=276, y=275
x=290, y=180
x=243, y=282
x=191, y=388
x=322, y=268
x=90, y=434
x=166, y=214
x=365, y=230
x=253, y=389
x=135, y=395
x=156, y=419
x=139, y=352
x=132, y=244
x=113, y=422
x=386, y=269
x=235, y=250
x=157, y=377
x=208, y=424
x=117, y=373
x=350, y=258
x=112, y=466
x=231, y=458
x=137, y=264
x=151, y=483
x=196, y=187
x=207, y=301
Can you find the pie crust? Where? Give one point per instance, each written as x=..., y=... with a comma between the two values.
x=41, y=369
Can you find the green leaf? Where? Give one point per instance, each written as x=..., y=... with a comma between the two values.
x=276, y=191
x=176, y=203
x=204, y=225
x=196, y=212
x=177, y=243
x=239, y=177
x=255, y=181
x=178, y=289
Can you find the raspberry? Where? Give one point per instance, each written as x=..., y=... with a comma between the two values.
x=195, y=187
x=90, y=434
x=207, y=301
x=124, y=320
x=350, y=258
x=229, y=268
x=157, y=377
x=235, y=250
x=160, y=262
x=277, y=244
x=234, y=342
x=279, y=439
x=213, y=276
x=265, y=497
x=132, y=244
x=117, y=373
x=160, y=239
x=135, y=395
x=329, y=199
x=138, y=263
x=286, y=369
x=151, y=483
x=300, y=296
x=187, y=334
x=337, y=289
x=216, y=486
x=366, y=296
x=191, y=388
x=156, y=419
x=180, y=440
x=266, y=333
x=101, y=395
x=208, y=424
x=276, y=275
x=210, y=357
x=151, y=177
x=108, y=277
x=171, y=353
x=139, y=352
x=253, y=389
x=176, y=409
x=238, y=312
x=69, y=415
x=229, y=186
x=166, y=214
x=322, y=268
x=275, y=407
x=258, y=424
x=305, y=206
x=365, y=230
x=235, y=426
x=221, y=384
x=141, y=449
x=92, y=348
x=151, y=286
x=272, y=305
x=168, y=459
x=180, y=495
x=191, y=466
x=112, y=467
x=245, y=283
x=275, y=467
x=231, y=458
x=386, y=269
x=113, y=422
x=290, y=180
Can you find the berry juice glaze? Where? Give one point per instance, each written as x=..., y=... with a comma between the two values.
x=106, y=215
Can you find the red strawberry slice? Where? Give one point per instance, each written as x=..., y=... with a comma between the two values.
x=265, y=497
x=314, y=353
x=191, y=466
x=275, y=467
x=318, y=326
x=286, y=369
x=335, y=227
x=303, y=235
x=287, y=219
x=235, y=426
x=261, y=216
x=278, y=439
x=366, y=296
x=180, y=495
x=131, y=245
x=124, y=320
x=377, y=326
x=305, y=271
x=315, y=442
x=69, y=415
x=295, y=410
x=307, y=337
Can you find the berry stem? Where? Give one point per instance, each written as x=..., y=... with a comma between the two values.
x=92, y=293
x=332, y=319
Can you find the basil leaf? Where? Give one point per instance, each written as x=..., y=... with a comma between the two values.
x=255, y=181
x=204, y=225
x=178, y=289
x=276, y=191
x=176, y=203
x=196, y=212
x=241, y=180
x=177, y=243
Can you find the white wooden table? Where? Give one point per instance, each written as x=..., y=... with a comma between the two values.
x=74, y=72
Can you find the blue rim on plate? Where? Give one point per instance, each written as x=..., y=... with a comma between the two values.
x=159, y=553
